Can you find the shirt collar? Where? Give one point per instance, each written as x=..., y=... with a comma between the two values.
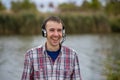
x=44, y=48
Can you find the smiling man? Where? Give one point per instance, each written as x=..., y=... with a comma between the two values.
x=54, y=35
x=52, y=61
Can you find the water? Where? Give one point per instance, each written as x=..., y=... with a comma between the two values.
x=93, y=53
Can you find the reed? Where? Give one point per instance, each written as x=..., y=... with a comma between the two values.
x=29, y=23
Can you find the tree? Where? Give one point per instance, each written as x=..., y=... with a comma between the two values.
x=85, y=5
x=112, y=7
x=68, y=7
x=23, y=5
x=2, y=7
x=51, y=5
x=42, y=5
x=95, y=5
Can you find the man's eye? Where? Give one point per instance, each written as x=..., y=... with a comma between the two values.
x=59, y=30
x=51, y=30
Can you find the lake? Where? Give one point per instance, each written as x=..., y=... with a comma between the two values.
x=95, y=52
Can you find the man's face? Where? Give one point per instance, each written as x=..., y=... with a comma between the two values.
x=54, y=33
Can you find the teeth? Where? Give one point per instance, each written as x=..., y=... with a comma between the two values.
x=55, y=38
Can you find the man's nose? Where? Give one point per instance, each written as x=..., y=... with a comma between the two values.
x=56, y=33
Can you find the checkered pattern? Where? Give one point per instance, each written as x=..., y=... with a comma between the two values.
x=39, y=66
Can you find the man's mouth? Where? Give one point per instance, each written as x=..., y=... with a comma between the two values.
x=55, y=39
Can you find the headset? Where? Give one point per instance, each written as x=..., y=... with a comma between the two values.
x=44, y=32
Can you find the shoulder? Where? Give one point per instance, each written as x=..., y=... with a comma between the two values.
x=33, y=51
x=69, y=50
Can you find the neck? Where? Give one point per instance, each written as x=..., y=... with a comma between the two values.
x=52, y=48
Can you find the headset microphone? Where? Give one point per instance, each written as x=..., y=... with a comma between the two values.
x=63, y=39
x=64, y=36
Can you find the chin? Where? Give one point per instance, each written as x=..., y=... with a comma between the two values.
x=55, y=44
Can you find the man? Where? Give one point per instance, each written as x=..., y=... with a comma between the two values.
x=52, y=61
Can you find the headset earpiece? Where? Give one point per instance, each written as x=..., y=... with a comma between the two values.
x=63, y=35
x=44, y=33
x=63, y=32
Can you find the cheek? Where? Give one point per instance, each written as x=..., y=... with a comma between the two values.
x=49, y=34
x=60, y=33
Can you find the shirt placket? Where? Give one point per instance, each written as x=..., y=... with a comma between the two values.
x=53, y=67
x=50, y=66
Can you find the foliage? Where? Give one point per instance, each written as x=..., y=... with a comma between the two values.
x=67, y=7
x=113, y=70
x=23, y=6
x=2, y=7
x=95, y=5
x=22, y=23
x=85, y=5
x=29, y=23
x=112, y=7
x=113, y=63
x=115, y=24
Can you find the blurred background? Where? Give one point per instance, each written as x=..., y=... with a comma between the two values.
x=92, y=28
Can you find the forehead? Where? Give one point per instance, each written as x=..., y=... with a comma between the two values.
x=53, y=24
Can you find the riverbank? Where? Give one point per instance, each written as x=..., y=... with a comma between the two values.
x=29, y=23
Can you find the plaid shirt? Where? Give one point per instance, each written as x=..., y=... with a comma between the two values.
x=39, y=66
